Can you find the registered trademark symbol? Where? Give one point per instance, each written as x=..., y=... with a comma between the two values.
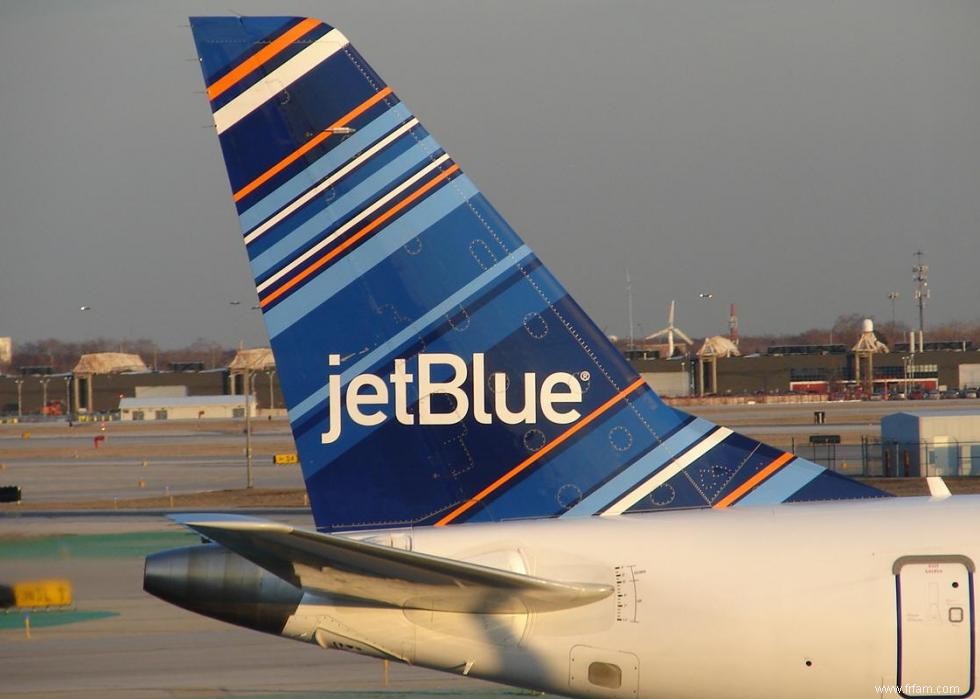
x=585, y=376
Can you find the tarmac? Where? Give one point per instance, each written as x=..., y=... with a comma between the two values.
x=118, y=642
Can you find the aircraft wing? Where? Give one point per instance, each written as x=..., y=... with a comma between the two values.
x=361, y=570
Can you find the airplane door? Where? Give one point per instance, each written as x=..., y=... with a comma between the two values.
x=935, y=625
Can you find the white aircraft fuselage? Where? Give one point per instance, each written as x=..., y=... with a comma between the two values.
x=788, y=601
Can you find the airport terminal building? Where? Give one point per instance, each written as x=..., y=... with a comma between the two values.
x=817, y=370
x=99, y=384
x=120, y=386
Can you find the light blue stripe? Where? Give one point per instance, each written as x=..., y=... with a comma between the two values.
x=315, y=226
x=783, y=484
x=641, y=470
x=342, y=153
x=391, y=346
x=377, y=249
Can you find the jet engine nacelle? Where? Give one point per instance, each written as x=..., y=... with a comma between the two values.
x=215, y=582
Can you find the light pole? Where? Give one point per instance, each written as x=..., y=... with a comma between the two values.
x=68, y=397
x=706, y=296
x=20, y=397
x=271, y=373
x=629, y=309
x=237, y=328
x=247, y=376
x=44, y=394
x=921, y=289
x=241, y=343
x=892, y=295
x=907, y=366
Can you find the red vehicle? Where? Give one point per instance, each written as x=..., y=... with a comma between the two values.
x=53, y=408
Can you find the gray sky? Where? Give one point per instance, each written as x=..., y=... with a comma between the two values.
x=787, y=156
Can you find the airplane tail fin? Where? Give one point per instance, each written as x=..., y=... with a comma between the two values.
x=434, y=370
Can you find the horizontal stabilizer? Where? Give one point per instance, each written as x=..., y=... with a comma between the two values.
x=337, y=565
x=937, y=487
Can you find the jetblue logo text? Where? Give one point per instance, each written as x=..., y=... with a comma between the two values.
x=369, y=399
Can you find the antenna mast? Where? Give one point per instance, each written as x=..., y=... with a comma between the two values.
x=629, y=305
x=921, y=288
x=733, y=325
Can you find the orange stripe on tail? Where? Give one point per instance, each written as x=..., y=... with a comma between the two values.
x=224, y=83
x=564, y=436
x=309, y=145
x=755, y=480
x=357, y=236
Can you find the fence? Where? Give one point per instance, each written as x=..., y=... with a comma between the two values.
x=873, y=457
x=940, y=456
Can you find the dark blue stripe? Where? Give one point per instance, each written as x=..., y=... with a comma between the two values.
x=277, y=128
x=222, y=44
x=301, y=164
x=833, y=486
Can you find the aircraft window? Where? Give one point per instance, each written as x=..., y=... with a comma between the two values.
x=605, y=675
